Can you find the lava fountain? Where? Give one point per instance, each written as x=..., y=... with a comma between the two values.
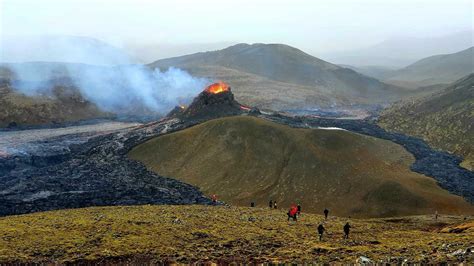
x=217, y=88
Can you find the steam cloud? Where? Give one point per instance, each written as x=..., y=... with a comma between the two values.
x=118, y=89
x=124, y=88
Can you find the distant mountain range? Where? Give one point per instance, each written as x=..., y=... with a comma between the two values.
x=434, y=70
x=444, y=119
x=403, y=51
x=280, y=76
x=437, y=69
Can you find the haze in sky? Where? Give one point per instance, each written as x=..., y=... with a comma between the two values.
x=314, y=26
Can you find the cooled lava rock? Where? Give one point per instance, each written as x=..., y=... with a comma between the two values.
x=176, y=111
x=215, y=101
x=254, y=111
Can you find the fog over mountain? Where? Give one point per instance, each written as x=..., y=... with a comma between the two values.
x=402, y=51
x=436, y=69
x=61, y=48
x=147, y=53
x=178, y=27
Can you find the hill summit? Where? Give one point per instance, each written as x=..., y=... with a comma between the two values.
x=245, y=159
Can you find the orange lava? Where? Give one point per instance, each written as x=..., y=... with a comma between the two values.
x=217, y=88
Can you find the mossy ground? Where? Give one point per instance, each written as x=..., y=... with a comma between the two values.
x=222, y=234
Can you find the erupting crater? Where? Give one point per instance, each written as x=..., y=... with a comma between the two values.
x=216, y=100
x=217, y=88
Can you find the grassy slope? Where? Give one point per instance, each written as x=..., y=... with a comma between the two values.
x=445, y=119
x=220, y=234
x=244, y=159
x=25, y=110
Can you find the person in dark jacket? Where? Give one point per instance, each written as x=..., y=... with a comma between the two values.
x=275, y=204
x=299, y=209
x=346, y=228
x=321, y=230
x=252, y=204
x=270, y=204
x=326, y=212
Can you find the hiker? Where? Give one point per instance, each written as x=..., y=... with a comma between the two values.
x=292, y=213
x=321, y=230
x=347, y=228
x=326, y=212
x=214, y=199
x=436, y=215
x=270, y=204
x=299, y=209
x=275, y=204
x=252, y=204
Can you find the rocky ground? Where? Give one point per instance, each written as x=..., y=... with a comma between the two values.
x=98, y=172
x=51, y=140
x=206, y=234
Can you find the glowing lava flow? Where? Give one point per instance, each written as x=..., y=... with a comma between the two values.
x=217, y=88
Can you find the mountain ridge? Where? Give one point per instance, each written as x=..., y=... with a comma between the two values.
x=436, y=69
x=283, y=63
x=402, y=51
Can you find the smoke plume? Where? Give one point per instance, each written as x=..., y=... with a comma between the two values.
x=101, y=74
x=118, y=89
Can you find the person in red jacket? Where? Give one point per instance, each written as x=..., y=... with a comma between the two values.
x=292, y=213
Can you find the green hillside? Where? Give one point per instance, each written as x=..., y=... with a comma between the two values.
x=245, y=159
x=445, y=119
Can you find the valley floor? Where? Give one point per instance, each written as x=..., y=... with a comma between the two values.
x=167, y=233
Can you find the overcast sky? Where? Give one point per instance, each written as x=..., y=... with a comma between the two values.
x=308, y=24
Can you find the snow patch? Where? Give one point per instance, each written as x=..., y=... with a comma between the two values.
x=331, y=128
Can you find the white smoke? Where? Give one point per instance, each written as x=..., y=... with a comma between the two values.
x=124, y=88
x=118, y=89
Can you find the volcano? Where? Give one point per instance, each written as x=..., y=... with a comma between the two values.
x=217, y=100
